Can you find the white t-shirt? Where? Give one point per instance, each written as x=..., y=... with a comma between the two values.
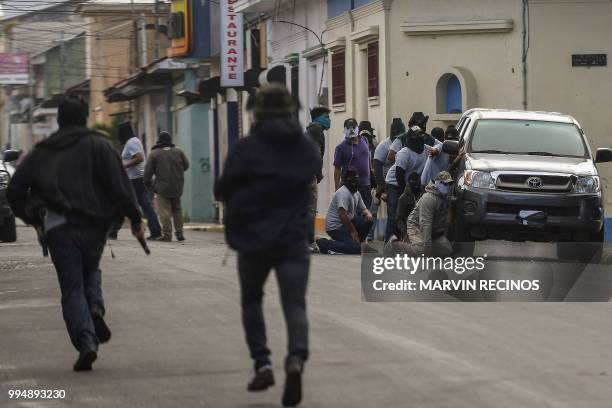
x=132, y=148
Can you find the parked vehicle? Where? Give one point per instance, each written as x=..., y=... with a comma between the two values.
x=8, y=230
x=527, y=176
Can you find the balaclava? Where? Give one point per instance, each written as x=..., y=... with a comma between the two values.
x=351, y=180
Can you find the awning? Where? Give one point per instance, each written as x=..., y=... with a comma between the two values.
x=138, y=85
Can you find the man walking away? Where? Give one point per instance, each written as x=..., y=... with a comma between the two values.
x=76, y=177
x=164, y=175
x=348, y=219
x=353, y=152
x=316, y=131
x=133, y=160
x=265, y=187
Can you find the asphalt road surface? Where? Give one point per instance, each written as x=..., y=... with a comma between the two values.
x=177, y=339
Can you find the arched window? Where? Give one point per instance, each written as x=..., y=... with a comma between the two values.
x=450, y=94
x=453, y=95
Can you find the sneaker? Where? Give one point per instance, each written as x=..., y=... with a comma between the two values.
x=86, y=358
x=180, y=236
x=314, y=248
x=263, y=379
x=102, y=330
x=292, y=395
x=154, y=237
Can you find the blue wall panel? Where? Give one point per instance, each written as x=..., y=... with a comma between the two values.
x=194, y=140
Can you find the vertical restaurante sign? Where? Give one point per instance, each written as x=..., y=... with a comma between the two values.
x=232, y=47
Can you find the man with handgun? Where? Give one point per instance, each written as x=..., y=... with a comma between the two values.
x=70, y=187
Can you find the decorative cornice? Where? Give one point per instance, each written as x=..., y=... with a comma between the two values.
x=364, y=35
x=338, y=21
x=314, y=52
x=457, y=27
x=374, y=7
x=336, y=45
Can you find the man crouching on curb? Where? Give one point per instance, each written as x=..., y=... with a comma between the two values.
x=426, y=226
x=266, y=189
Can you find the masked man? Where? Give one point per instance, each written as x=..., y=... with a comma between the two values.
x=316, y=131
x=79, y=180
x=265, y=188
x=348, y=219
x=353, y=152
x=427, y=222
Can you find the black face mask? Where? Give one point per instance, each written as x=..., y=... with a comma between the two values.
x=352, y=184
x=416, y=143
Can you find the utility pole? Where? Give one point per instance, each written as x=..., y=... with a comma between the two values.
x=143, y=37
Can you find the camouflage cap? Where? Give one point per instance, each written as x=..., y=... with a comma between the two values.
x=444, y=177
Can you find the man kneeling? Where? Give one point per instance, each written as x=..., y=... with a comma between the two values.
x=427, y=222
x=426, y=225
x=348, y=220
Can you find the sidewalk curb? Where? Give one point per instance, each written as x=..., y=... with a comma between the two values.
x=204, y=228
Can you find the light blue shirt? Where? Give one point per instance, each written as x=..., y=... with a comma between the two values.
x=408, y=160
x=382, y=152
x=343, y=198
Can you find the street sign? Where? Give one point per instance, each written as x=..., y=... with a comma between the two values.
x=14, y=69
x=589, y=60
x=232, y=49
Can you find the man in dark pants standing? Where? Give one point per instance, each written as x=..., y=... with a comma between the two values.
x=353, y=152
x=75, y=177
x=164, y=174
x=133, y=157
x=265, y=187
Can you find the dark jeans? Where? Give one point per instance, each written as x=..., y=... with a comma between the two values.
x=76, y=251
x=341, y=241
x=366, y=195
x=144, y=200
x=292, y=268
x=393, y=194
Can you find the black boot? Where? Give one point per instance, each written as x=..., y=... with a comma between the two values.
x=263, y=379
x=102, y=331
x=180, y=236
x=294, y=367
x=87, y=356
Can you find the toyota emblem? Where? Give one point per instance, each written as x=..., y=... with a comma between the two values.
x=535, y=182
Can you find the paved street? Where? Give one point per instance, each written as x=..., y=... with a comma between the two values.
x=177, y=339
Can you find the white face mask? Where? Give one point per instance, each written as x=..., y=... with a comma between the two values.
x=350, y=133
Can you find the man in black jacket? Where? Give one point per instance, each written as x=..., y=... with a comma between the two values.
x=76, y=179
x=316, y=130
x=265, y=187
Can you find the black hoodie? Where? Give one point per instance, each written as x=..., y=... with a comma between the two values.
x=75, y=172
x=265, y=186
